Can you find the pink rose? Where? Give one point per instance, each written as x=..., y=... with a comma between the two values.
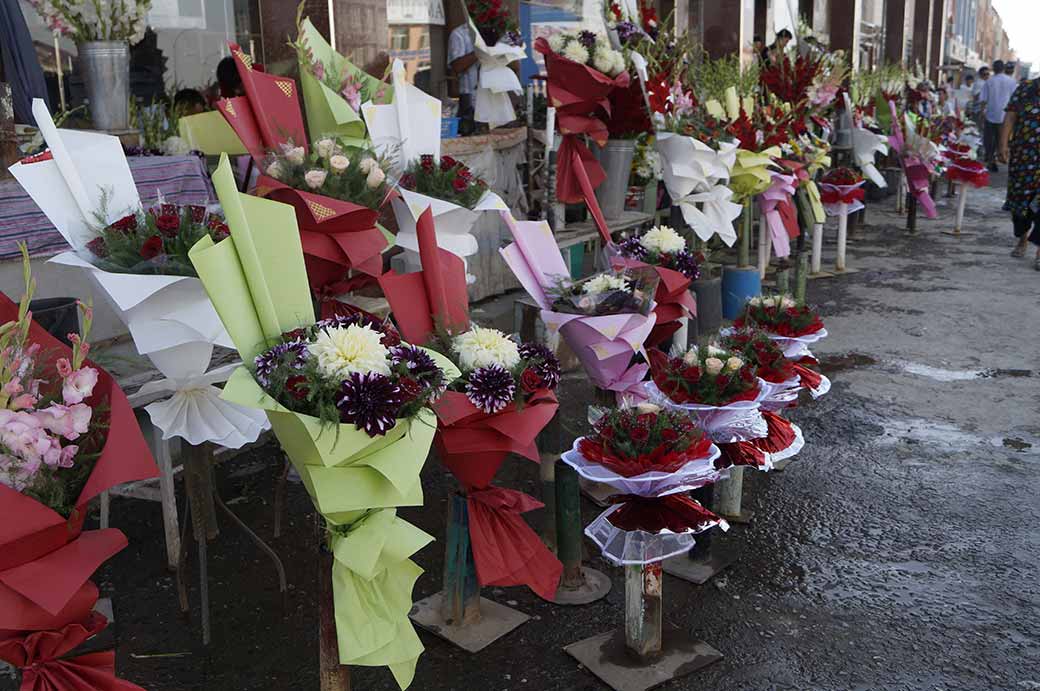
x=79, y=385
x=66, y=421
x=64, y=367
x=314, y=178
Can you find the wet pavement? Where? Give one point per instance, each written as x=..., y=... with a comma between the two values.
x=900, y=550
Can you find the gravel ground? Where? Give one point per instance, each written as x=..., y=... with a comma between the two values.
x=898, y=551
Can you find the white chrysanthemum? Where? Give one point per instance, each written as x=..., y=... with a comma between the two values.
x=576, y=52
x=604, y=283
x=662, y=239
x=603, y=59
x=619, y=64
x=175, y=146
x=341, y=352
x=556, y=42
x=481, y=347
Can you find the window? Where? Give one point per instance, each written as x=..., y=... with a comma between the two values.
x=399, y=38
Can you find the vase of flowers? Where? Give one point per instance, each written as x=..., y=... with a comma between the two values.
x=103, y=33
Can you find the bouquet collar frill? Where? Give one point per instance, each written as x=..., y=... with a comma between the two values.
x=334, y=88
x=497, y=43
x=698, y=158
x=841, y=191
x=453, y=193
x=68, y=434
x=721, y=391
x=665, y=250
x=962, y=166
x=582, y=70
x=502, y=400
x=605, y=325
x=337, y=234
x=651, y=457
x=84, y=186
x=358, y=471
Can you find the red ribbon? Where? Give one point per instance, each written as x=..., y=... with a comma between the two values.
x=810, y=379
x=505, y=549
x=677, y=513
x=742, y=453
x=830, y=195
x=40, y=656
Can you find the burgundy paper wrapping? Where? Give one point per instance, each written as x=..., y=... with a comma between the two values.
x=781, y=434
x=830, y=194
x=471, y=443
x=273, y=105
x=46, y=560
x=677, y=513
x=579, y=94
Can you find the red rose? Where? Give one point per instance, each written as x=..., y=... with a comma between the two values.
x=294, y=334
x=168, y=224
x=746, y=375
x=647, y=419
x=447, y=163
x=607, y=432
x=408, y=181
x=220, y=231
x=390, y=336
x=410, y=389
x=169, y=210
x=669, y=435
x=197, y=212
x=458, y=184
x=639, y=434
x=98, y=247
x=297, y=387
x=691, y=374
x=464, y=173
x=426, y=161
x=126, y=224
x=530, y=381
x=152, y=247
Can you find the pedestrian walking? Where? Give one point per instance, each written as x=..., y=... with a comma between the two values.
x=995, y=95
x=1020, y=148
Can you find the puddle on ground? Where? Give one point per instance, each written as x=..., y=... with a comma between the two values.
x=941, y=434
x=848, y=361
x=830, y=364
x=1016, y=444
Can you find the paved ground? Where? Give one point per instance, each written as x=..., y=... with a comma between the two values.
x=900, y=551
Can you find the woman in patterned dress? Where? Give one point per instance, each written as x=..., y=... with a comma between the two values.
x=1022, y=130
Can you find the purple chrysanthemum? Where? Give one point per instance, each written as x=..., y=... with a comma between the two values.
x=491, y=388
x=369, y=401
x=626, y=30
x=587, y=39
x=547, y=367
x=632, y=248
x=685, y=262
x=293, y=354
x=514, y=38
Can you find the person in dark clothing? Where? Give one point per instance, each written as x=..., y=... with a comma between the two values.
x=188, y=102
x=228, y=80
x=776, y=50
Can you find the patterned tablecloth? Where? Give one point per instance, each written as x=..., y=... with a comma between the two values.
x=179, y=179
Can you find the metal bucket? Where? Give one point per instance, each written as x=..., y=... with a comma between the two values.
x=106, y=73
x=616, y=159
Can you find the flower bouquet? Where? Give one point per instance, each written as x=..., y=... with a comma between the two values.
x=453, y=193
x=334, y=88
x=841, y=191
x=407, y=127
x=497, y=43
x=665, y=250
x=794, y=325
x=84, y=182
x=68, y=434
x=630, y=21
x=721, y=390
x=604, y=342
x=651, y=456
x=785, y=377
x=337, y=196
x=349, y=404
x=497, y=406
x=336, y=193
x=611, y=292
x=698, y=157
x=962, y=166
x=583, y=69
x=781, y=216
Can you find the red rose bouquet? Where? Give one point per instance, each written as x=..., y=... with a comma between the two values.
x=708, y=376
x=155, y=241
x=450, y=180
x=494, y=22
x=781, y=315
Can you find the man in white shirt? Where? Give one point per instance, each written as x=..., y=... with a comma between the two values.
x=963, y=94
x=462, y=60
x=995, y=94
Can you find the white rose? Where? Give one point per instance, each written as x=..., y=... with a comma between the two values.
x=647, y=408
x=295, y=155
x=366, y=165
x=314, y=178
x=375, y=177
x=691, y=357
x=733, y=364
x=274, y=169
x=576, y=52
x=754, y=301
x=713, y=366
x=325, y=147
x=339, y=163
x=787, y=302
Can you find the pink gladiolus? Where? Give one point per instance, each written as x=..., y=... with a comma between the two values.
x=352, y=94
x=68, y=453
x=79, y=385
x=13, y=387
x=66, y=421
x=24, y=436
x=319, y=70
x=64, y=367
x=25, y=400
